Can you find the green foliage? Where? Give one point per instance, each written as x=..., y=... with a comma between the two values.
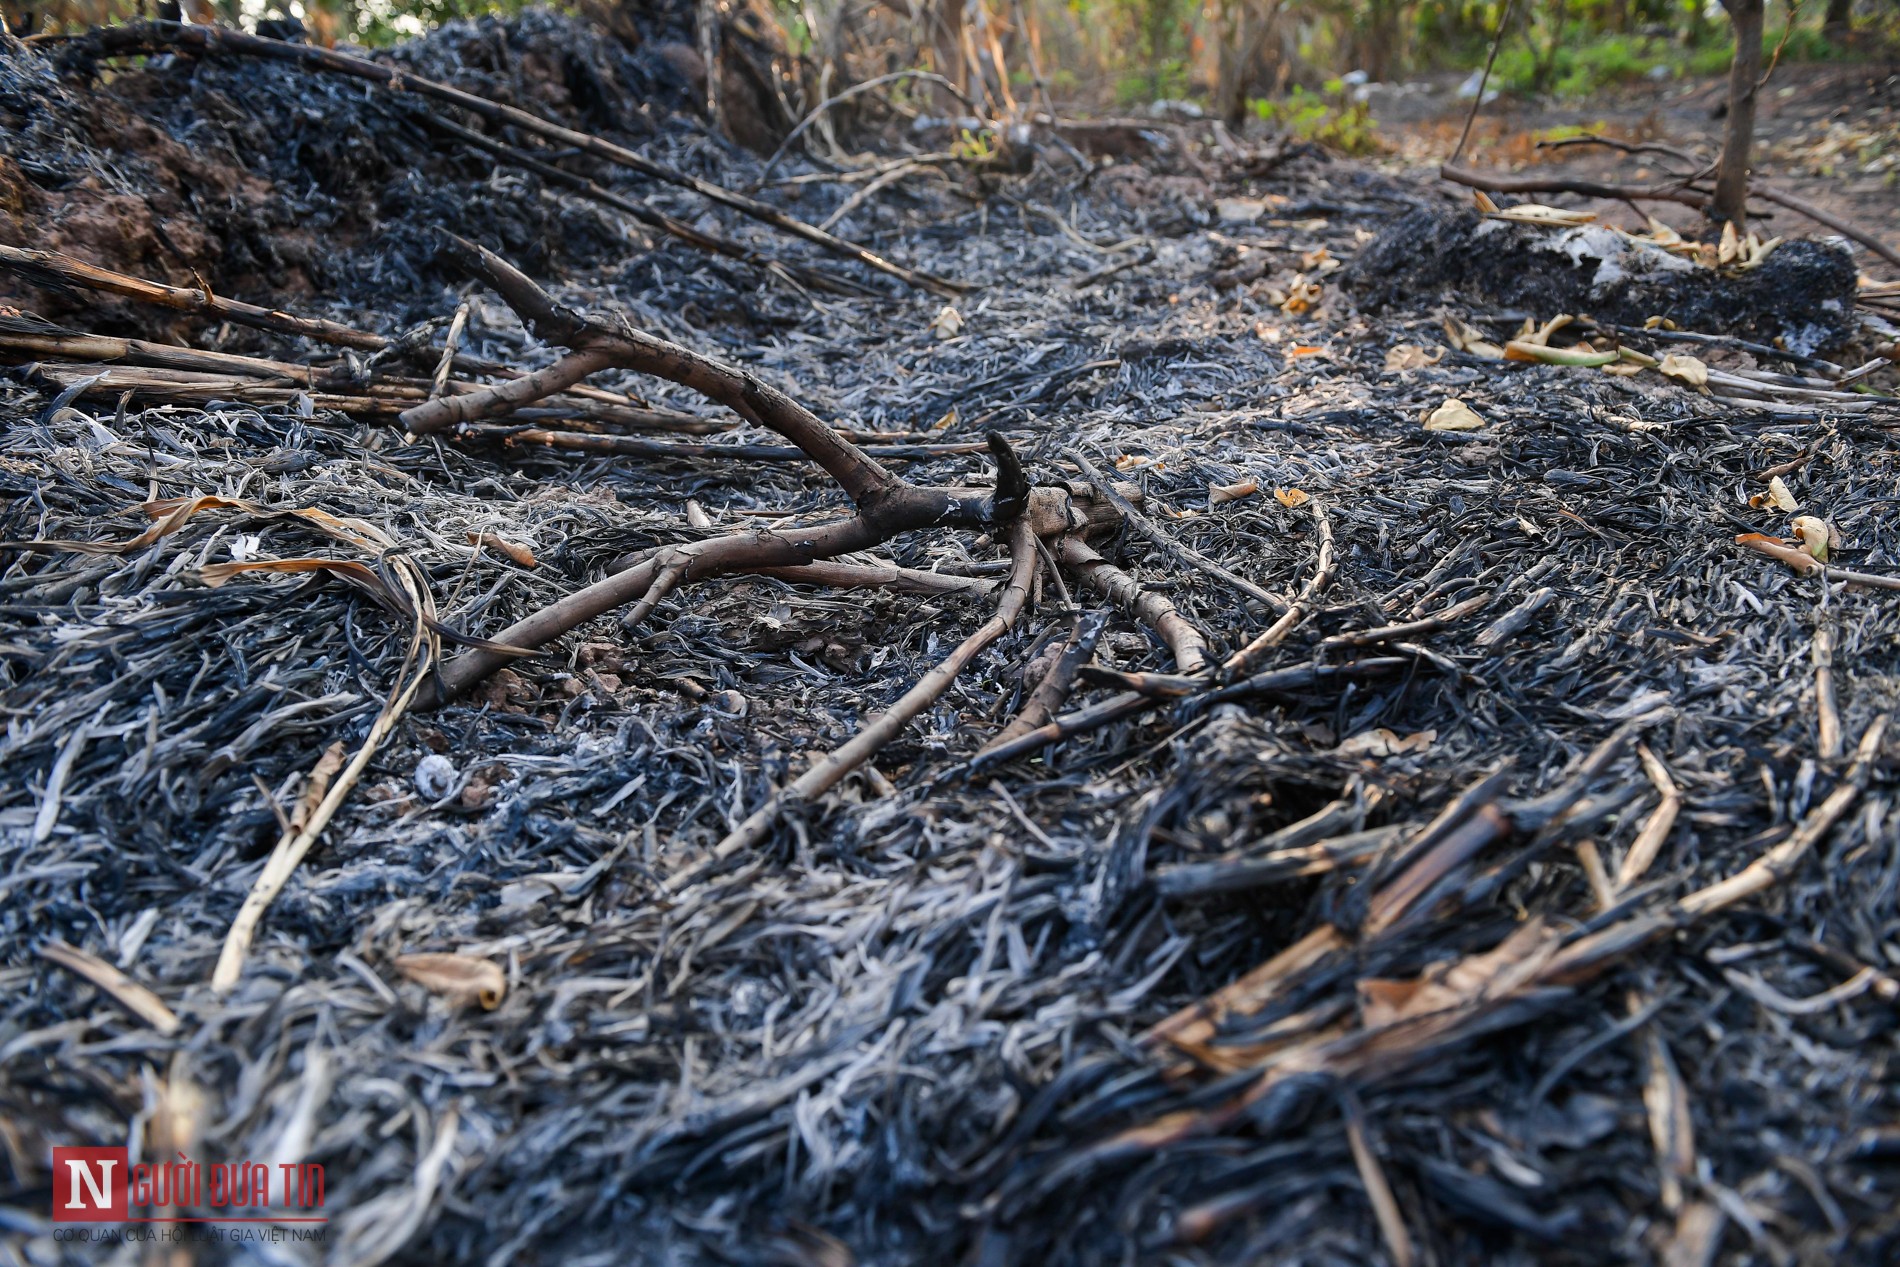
x=975, y=147
x=1330, y=117
x=1585, y=61
x=1165, y=81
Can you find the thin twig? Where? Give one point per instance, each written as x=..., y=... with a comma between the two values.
x=1184, y=554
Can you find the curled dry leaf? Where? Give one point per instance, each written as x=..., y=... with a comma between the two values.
x=1777, y=497
x=460, y=979
x=1410, y=356
x=948, y=322
x=1814, y=534
x=1685, y=368
x=1220, y=494
x=1453, y=415
x=1291, y=498
x=1467, y=339
x=519, y=555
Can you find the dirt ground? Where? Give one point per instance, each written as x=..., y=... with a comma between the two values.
x=1828, y=133
x=1532, y=897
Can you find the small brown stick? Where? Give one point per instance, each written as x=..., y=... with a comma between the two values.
x=137, y=37
x=887, y=504
x=871, y=190
x=1146, y=527
x=132, y=996
x=886, y=727
x=1243, y=660
x=1079, y=722
x=450, y=342
x=671, y=570
x=1828, y=713
x=55, y=341
x=1649, y=841
x=331, y=784
x=1385, y=1206
x=1477, y=102
x=1183, y=640
x=1769, y=193
x=1806, y=564
x=817, y=112
x=51, y=270
x=443, y=412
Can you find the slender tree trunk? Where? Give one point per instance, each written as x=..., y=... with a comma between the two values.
x=1744, y=74
x=1838, y=26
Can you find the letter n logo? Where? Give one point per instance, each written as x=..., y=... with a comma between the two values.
x=89, y=1185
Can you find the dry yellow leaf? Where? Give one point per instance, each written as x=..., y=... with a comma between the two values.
x=518, y=554
x=1777, y=496
x=1685, y=368
x=1453, y=415
x=1220, y=494
x=1730, y=248
x=948, y=322
x=1410, y=356
x=1814, y=534
x=1291, y=498
x=460, y=979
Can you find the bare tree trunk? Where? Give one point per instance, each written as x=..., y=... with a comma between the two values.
x=1744, y=75
x=1838, y=26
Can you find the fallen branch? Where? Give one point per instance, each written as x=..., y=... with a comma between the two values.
x=1184, y=642
x=886, y=504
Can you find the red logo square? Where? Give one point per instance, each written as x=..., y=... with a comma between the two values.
x=89, y=1185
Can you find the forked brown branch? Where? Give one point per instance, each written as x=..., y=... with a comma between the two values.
x=886, y=504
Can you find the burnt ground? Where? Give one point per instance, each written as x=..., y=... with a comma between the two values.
x=910, y=1028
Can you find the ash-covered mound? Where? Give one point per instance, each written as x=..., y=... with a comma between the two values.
x=264, y=180
x=1800, y=297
